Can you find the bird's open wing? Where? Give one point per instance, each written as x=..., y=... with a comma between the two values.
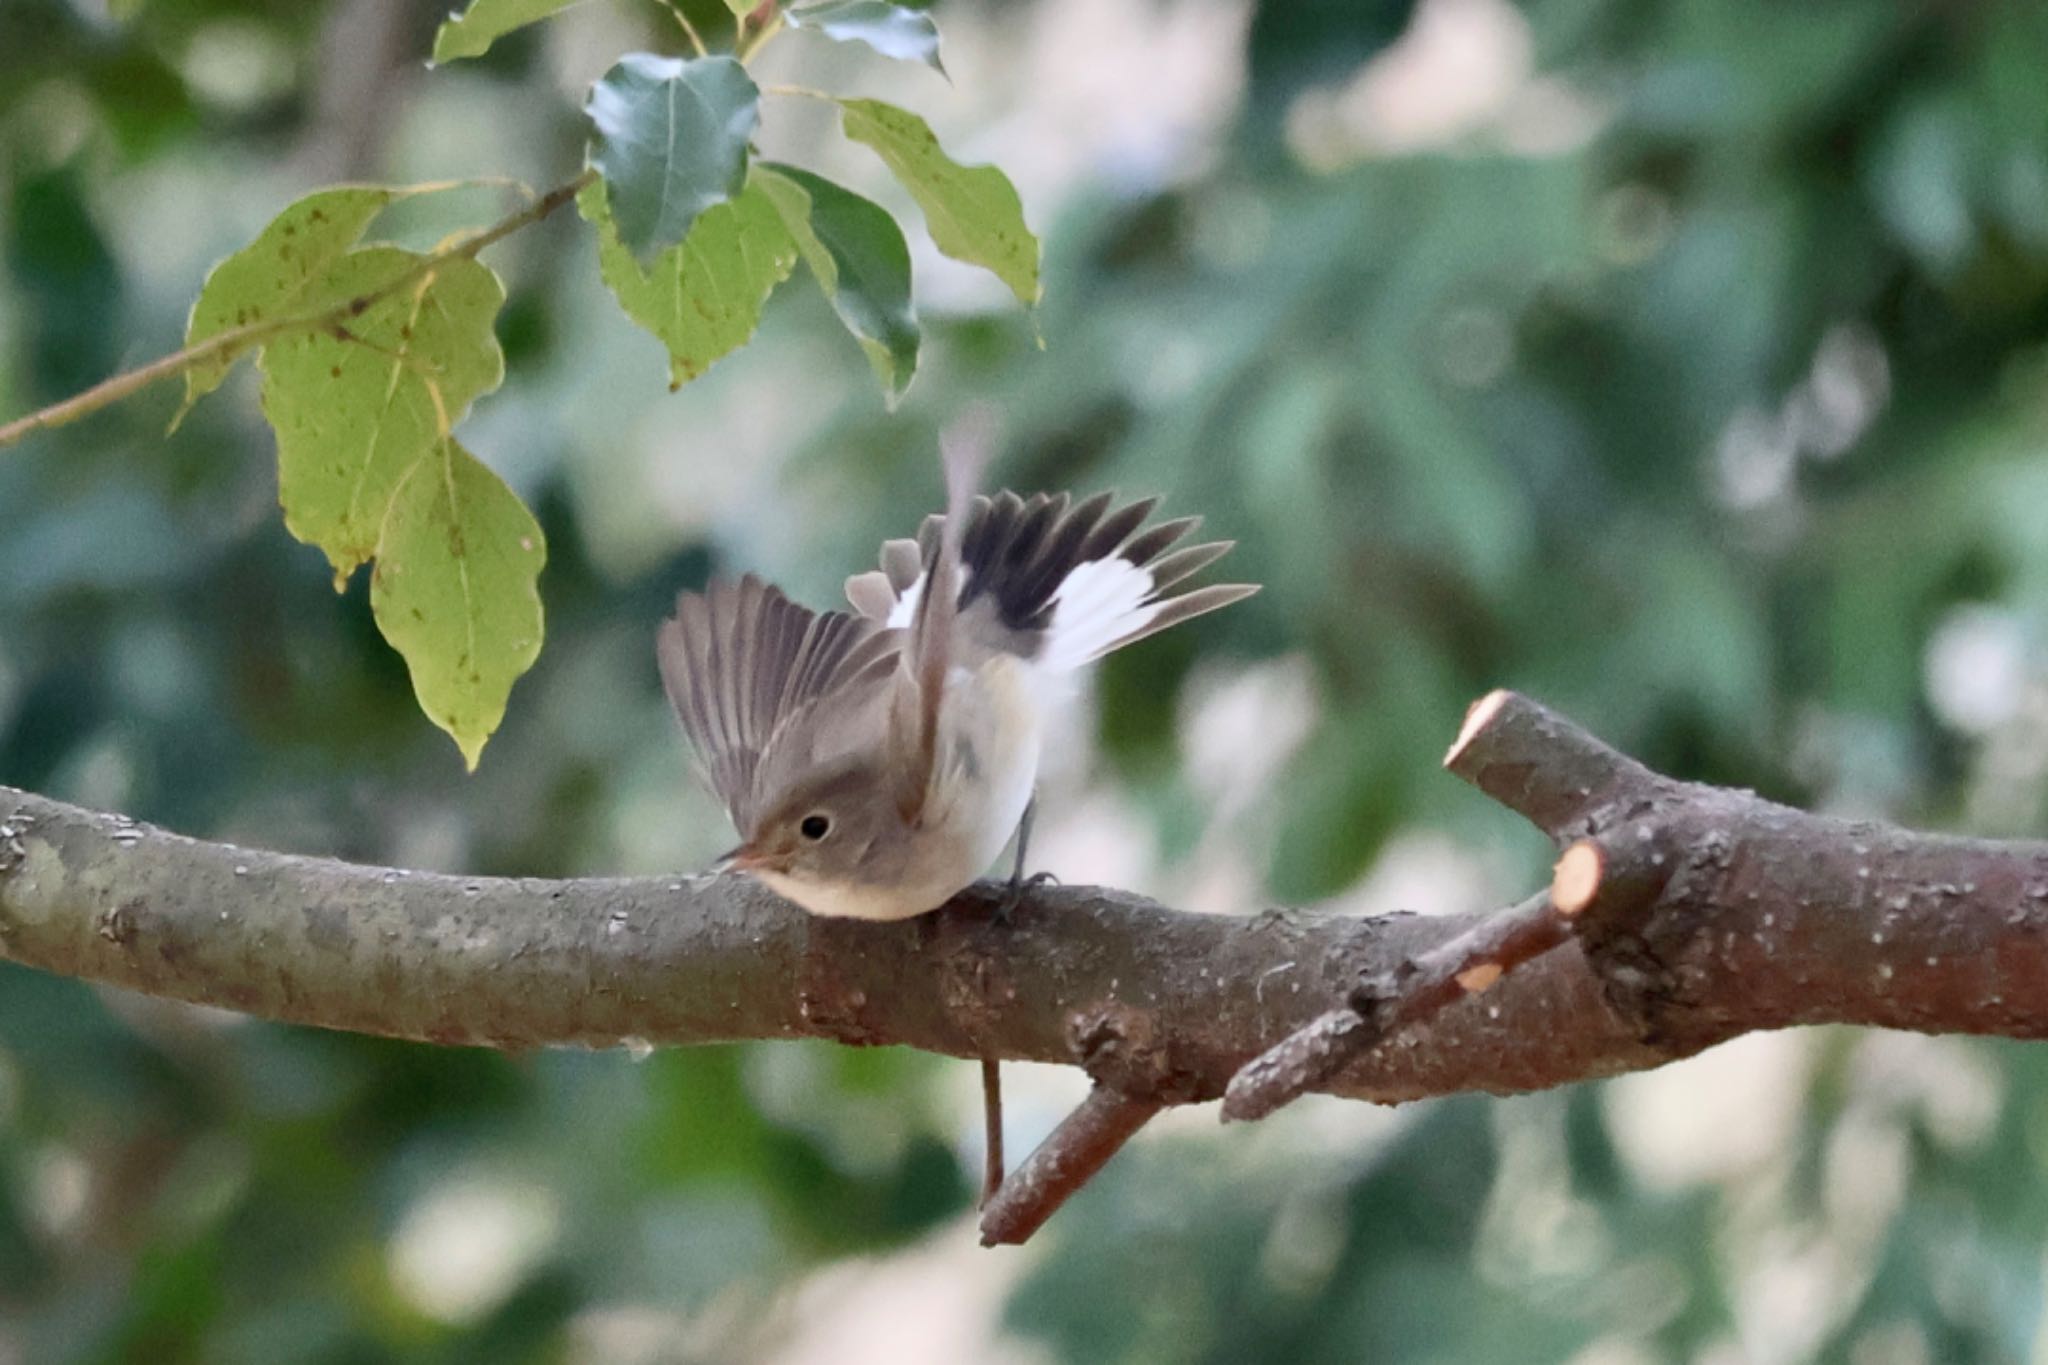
x=743, y=664
x=919, y=690
x=1059, y=584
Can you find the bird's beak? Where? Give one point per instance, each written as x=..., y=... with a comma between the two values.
x=744, y=858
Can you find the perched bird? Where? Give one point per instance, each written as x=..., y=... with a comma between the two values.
x=876, y=762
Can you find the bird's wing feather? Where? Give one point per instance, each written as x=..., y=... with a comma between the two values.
x=744, y=666
x=1059, y=585
x=927, y=659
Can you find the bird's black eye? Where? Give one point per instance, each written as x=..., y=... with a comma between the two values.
x=815, y=827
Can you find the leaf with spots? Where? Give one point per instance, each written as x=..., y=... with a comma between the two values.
x=702, y=297
x=471, y=33
x=455, y=590
x=355, y=409
x=973, y=212
x=858, y=256
x=270, y=277
x=892, y=30
x=671, y=143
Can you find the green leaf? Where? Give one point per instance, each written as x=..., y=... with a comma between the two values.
x=471, y=33
x=702, y=297
x=454, y=590
x=858, y=255
x=355, y=412
x=973, y=211
x=742, y=8
x=892, y=30
x=671, y=141
x=271, y=276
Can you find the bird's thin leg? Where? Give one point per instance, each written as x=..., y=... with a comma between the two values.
x=1023, y=843
x=1013, y=895
x=991, y=1069
x=992, y=1120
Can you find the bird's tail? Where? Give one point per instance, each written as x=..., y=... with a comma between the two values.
x=1066, y=583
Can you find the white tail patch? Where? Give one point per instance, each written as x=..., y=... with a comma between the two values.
x=1098, y=606
x=905, y=609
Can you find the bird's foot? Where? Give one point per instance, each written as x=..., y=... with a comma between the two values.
x=1013, y=894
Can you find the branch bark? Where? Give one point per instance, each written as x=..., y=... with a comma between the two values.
x=1683, y=915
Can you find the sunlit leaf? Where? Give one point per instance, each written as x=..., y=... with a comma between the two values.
x=471, y=33
x=858, y=255
x=703, y=297
x=892, y=30
x=973, y=211
x=355, y=411
x=271, y=276
x=454, y=590
x=671, y=142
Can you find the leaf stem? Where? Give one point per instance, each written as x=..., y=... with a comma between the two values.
x=675, y=8
x=802, y=91
x=768, y=17
x=112, y=390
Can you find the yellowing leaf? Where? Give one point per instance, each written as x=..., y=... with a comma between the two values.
x=354, y=411
x=703, y=296
x=455, y=591
x=973, y=211
x=270, y=277
x=471, y=33
x=362, y=405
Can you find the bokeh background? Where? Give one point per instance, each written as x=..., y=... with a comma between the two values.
x=1684, y=362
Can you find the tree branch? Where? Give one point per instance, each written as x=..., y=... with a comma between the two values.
x=1680, y=916
x=1068, y=1158
x=238, y=339
x=1392, y=1000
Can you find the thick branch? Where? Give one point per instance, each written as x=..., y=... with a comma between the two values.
x=1772, y=918
x=1707, y=912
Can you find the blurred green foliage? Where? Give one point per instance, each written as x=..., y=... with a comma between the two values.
x=1702, y=390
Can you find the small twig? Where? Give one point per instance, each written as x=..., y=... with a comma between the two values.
x=1544, y=767
x=1297, y=1064
x=112, y=390
x=1469, y=964
x=1070, y=1155
x=1601, y=884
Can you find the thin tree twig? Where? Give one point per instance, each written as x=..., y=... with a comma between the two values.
x=1068, y=1158
x=236, y=339
x=1469, y=965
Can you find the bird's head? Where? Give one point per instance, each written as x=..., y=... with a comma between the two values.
x=831, y=829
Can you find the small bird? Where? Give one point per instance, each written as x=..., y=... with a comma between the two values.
x=875, y=762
